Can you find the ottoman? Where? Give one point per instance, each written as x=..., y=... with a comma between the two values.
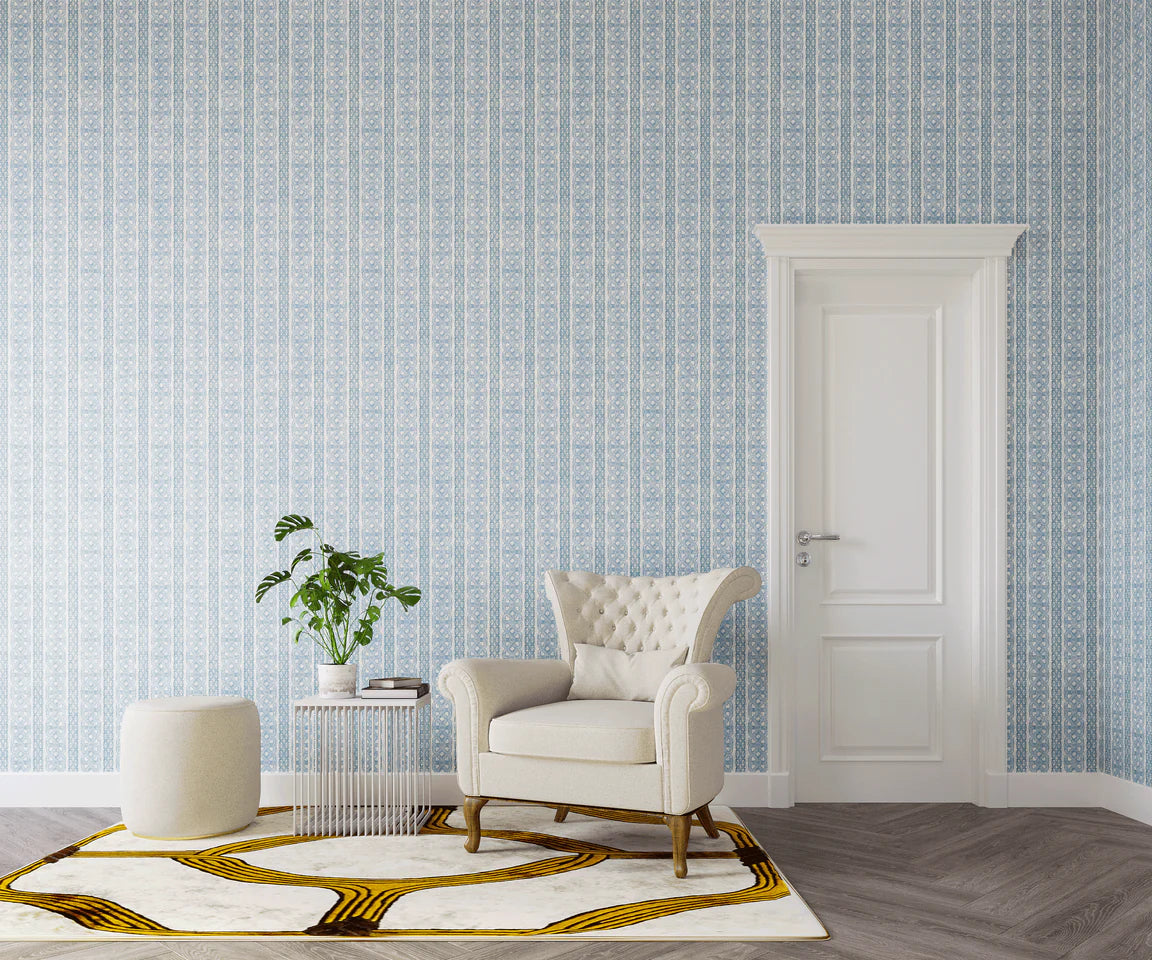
x=189, y=766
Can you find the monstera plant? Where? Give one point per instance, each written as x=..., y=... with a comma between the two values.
x=336, y=601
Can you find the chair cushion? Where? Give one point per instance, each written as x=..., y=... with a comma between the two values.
x=610, y=731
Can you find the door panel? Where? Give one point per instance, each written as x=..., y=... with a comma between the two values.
x=885, y=704
x=857, y=724
x=881, y=426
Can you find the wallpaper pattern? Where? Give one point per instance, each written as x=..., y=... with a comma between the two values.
x=473, y=283
x=1126, y=494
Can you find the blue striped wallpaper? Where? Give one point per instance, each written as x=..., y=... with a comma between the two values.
x=473, y=283
x=1126, y=492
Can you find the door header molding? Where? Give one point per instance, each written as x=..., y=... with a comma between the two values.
x=936, y=240
x=986, y=247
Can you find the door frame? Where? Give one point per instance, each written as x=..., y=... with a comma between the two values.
x=983, y=249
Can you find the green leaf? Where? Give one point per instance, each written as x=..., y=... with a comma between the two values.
x=269, y=582
x=301, y=557
x=408, y=596
x=291, y=524
x=286, y=621
x=309, y=594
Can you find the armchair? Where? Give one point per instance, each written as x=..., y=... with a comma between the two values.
x=518, y=737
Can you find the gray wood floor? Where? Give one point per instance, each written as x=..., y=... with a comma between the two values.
x=890, y=881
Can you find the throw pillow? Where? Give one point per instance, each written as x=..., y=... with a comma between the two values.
x=601, y=673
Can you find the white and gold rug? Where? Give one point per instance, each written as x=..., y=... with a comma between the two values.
x=591, y=877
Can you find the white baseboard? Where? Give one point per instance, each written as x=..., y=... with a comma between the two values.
x=1054, y=790
x=103, y=789
x=745, y=790
x=1126, y=798
x=740, y=790
x=59, y=789
x=781, y=790
x=993, y=790
x=1081, y=790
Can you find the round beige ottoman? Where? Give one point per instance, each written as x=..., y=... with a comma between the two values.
x=189, y=766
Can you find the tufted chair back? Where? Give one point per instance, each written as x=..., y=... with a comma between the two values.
x=646, y=613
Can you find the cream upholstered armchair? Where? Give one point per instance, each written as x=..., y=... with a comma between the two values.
x=520, y=737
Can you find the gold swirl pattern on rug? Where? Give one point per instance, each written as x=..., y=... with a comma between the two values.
x=362, y=902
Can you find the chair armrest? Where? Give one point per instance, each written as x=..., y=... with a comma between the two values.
x=695, y=686
x=689, y=718
x=483, y=689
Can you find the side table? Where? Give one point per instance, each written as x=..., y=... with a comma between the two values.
x=361, y=767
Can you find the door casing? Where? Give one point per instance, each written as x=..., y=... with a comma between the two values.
x=981, y=251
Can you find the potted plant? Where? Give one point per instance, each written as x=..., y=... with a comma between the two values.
x=337, y=604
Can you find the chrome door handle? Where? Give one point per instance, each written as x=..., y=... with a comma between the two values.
x=804, y=537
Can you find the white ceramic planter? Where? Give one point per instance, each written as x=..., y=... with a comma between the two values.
x=337, y=680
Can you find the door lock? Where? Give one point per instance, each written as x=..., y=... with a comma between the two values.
x=803, y=558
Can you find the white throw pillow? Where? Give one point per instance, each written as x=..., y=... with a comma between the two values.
x=601, y=673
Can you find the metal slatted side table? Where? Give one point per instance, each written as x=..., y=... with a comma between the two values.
x=362, y=767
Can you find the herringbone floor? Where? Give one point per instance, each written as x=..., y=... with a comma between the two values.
x=890, y=881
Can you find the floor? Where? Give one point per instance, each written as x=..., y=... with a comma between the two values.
x=890, y=881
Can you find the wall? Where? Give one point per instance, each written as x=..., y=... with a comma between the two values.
x=1127, y=363
x=474, y=284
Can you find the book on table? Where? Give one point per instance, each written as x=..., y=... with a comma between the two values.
x=395, y=693
x=393, y=683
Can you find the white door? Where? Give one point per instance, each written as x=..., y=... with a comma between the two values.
x=883, y=614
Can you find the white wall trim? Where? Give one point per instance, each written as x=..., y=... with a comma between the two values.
x=992, y=789
x=1081, y=790
x=779, y=571
x=888, y=240
x=781, y=791
x=1054, y=790
x=59, y=789
x=746, y=790
x=740, y=790
x=103, y=789
x=989, y=559
x=986, y=247
x=1124, y=797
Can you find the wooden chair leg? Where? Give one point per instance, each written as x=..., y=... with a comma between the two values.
x=472, y=808
x=707, y=822
x=680, y=825
x=561, y=813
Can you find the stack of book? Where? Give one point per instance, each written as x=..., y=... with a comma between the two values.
x=394, y=688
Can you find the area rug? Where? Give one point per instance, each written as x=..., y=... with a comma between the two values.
x=593, y=877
